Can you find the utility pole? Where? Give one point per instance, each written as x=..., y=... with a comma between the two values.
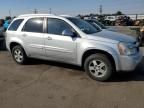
x=101, y=9
x=50, y=11
x=10, y=13
x=35, y=11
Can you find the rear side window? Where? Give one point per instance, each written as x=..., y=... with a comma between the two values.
x=34, y=25
x=14, y=26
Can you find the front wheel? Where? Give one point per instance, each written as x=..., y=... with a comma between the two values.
x=98, y=67
x=19, y=55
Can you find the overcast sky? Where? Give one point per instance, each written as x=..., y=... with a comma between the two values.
x=71, y=7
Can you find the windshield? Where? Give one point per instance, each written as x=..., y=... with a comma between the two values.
x=96, y=23
x=84, y=26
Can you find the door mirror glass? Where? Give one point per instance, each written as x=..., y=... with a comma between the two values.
x=68, y=32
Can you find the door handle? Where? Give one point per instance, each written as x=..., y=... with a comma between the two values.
x=49, y=38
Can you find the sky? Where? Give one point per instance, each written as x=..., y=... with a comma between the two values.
x=70, y=7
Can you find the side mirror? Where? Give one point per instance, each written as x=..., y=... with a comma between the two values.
x=68, y=32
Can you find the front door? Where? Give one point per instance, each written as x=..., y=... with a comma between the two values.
x=58, y=46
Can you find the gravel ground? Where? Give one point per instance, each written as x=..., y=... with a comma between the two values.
x=45, y=84
x=126, y=30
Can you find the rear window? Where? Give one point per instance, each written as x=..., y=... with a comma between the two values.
x=14, y=26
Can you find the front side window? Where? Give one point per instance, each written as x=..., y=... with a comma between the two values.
x=34, y=25
x=57, y=26
x=83, y=25
x=14, y=26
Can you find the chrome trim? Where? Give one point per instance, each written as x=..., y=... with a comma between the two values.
x=58, y=49
x=37, y=46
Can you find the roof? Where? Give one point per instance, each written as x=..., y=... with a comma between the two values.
x=31, y=15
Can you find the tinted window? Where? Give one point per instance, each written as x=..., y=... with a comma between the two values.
x=95, y=25
x=14, y=26
x=34, y=25
x=83, y=25
x=94, y=22
x=57, y=26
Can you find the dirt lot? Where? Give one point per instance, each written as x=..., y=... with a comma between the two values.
x=43, y=84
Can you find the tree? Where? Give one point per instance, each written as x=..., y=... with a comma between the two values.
x=119, y=13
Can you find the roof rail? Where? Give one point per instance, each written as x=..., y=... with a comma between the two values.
x=27, y=15
x=65, y=15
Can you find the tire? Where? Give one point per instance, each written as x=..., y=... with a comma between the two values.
x=98, y=67
x=19, y=55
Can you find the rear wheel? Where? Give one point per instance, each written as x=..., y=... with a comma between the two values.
x=98, y=67
x=19, y=55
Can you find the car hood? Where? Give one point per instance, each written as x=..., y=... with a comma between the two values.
x=106, y=35
x=111, y=29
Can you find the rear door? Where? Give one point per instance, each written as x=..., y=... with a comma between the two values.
x=33, y=36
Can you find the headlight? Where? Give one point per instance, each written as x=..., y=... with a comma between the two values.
x=126, y=49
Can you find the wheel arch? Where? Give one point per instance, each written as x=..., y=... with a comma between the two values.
x=13, y=44
x=94, y=51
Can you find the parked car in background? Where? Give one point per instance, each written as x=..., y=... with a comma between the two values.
x=1, y=32
x=74, y=41
x=96, y=24
x=141, y=35
x=1, y=29
x=124, y=21
x=2, y=37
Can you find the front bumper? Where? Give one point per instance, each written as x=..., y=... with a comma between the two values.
x=129, y=63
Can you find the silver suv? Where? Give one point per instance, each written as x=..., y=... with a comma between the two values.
x=74, y=41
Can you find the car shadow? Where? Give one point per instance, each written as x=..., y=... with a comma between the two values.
x=53, y=63
x=137, y=75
